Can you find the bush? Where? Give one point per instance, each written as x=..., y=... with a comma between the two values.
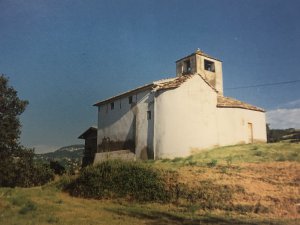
x=141, y=182
x=57, y=168
x=131, y=180
x=21, y=170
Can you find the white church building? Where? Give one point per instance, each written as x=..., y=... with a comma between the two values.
x=178, y=116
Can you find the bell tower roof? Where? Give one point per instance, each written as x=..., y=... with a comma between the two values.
x=199, y=52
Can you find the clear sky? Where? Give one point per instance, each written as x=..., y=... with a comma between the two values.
x=65, y=55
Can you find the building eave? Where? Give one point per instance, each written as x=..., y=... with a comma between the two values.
x=127, y=93
x=227, y=102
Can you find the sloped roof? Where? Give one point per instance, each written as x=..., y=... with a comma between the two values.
x=89, y=131
x=227, y=102
x=174, y=83
x=163, y=84
x=171, y=83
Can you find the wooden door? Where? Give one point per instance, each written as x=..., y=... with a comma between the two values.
x=250, y=133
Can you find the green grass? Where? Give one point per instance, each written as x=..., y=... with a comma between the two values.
x=48, y=205
x=251, y=153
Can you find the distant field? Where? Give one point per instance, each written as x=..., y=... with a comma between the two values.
x=268, y=176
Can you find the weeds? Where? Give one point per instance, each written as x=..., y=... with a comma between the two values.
x=52, y=219
x=212, y=163
x=28, y=207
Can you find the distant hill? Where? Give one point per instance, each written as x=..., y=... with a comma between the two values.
x=287, y=135
x=71, y=152
x=68, y=156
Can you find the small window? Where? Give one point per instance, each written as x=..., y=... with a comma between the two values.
x=130, y=100
x=120, y=104
x=112, y=106
x=148, y=115
x=209, y=65
x=187, y=66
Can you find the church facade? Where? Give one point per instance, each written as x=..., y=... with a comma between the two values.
x=178, y=116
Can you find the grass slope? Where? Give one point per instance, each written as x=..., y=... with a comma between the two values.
x=48, y=206
x=270, y=180
x=251, y=153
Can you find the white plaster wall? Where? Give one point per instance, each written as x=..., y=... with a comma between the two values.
x=185, y=118
x=233, y=126
x=126, y=121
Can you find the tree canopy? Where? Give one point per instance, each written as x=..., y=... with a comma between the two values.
x=17, y=166
x=11, y=107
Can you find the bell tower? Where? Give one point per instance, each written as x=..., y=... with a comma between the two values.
x=200, y=63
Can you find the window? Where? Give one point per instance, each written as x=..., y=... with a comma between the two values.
x=112, y=106
x=148, y=115
x=209, y=65
x=130, y=99
x=120, y=104
x=187, y=67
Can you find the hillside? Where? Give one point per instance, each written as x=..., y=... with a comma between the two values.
x=287, y=135
x=67, y=156
x=71, y=152
x=263, y=180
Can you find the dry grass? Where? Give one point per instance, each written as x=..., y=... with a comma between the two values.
x=268, y=194
x=54, y=207
x=273, y=185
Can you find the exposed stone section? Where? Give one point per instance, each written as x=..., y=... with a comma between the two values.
x=121, y=154
x=226, y=102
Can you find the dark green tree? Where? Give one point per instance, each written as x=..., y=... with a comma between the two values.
x=17, y=167
x=11, y=107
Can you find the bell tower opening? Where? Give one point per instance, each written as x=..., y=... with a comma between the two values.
x=187, y=67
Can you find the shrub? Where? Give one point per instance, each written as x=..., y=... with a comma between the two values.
x=57, y=168
x=141, y=182
x=131, y=180
x=22, y=171
x=212, y=163
x=64, y=182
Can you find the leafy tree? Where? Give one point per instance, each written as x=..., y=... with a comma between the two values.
x=57, y=168
x=17, y=167
x=10, y=109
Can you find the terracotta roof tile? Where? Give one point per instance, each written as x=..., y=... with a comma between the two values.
x=174, y=83
x=226, y=102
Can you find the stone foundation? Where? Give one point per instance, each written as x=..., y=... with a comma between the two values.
x=120, y=154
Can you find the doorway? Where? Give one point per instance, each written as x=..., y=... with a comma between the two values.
x=250, y=133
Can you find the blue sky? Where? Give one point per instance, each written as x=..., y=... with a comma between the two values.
x=63, y=55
